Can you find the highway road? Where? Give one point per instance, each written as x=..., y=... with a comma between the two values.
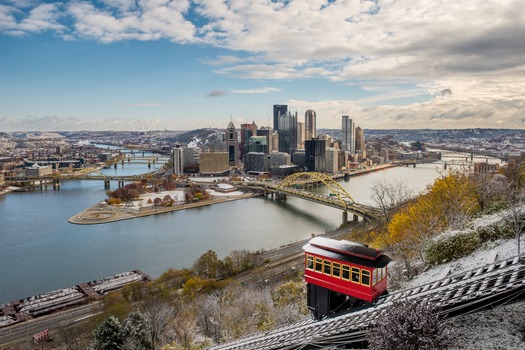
x=21, y=333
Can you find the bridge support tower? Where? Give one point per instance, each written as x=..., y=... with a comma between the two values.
x=107, y=184
x=56, y=184
x=280, y=196
x=355, y=218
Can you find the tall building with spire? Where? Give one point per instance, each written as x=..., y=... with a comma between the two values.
x=309, y=121
x=232, y=144
x=348, y=134
x=277, y=111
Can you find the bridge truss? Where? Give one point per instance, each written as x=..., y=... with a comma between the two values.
x=300, y=179
x=294, y=185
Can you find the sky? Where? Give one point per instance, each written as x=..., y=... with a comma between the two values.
x=188, y=64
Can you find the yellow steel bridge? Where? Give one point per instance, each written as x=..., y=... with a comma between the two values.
x=339, y=198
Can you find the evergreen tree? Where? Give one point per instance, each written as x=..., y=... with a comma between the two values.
x=134, y=327
x=109, y=335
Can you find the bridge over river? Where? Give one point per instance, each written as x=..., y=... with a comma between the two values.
x=294, y=185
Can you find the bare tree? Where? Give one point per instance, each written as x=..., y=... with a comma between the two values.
x=488, y=188
x=409, y=325
x=389, y=196
x=158, y=315
x=514, y=214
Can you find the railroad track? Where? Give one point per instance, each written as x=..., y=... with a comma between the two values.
x=473, y=290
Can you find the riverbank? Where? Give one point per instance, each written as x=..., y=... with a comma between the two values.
x=112, y=213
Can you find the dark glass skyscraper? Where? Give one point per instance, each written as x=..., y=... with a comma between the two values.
x=277, y=111
x=287, y=129
x=314, y=155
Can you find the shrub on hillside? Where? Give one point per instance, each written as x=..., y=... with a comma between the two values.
x=451, y=246
x=499, y=230
x=409, y=325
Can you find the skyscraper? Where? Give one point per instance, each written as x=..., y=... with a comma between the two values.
x=247, y=131
x=232, y=143
x=277, y=111
x=287, y=129
x=348, y=133
x=300, y=135
x=309, y=121
x=359, y=139
x=315, y=151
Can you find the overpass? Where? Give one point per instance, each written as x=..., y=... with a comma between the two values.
x=293, y=185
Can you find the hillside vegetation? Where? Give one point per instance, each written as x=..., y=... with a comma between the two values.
x=196, y=307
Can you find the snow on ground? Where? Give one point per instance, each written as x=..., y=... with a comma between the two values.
x=224, y=194
x=501, y=328
x=178, y=196
x=483, y=256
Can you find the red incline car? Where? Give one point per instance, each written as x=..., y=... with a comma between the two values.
x=342, y=275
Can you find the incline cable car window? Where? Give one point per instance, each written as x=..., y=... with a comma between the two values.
x=336, y=270
x=309, y=262
x=346, y=272
x=379, y=274
x=318, y=265
x=374, y=276
x=327, y=267
x=355, y=275
x=365, y=278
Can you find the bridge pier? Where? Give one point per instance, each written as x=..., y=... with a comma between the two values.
x=56, y=184
x=356, y=218
x=120, y=184
x=345, y=217
x=279, y=196
x=107, y=184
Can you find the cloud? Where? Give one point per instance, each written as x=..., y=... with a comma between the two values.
x=39, y=19
x=56, y=123
x=145, y=105
x=473, y=48
x=264, y=90
x=222, y=60
x=145, y=20
x=446, y=91
x=217, y=93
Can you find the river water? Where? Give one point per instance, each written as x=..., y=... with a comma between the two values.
x=40, y=251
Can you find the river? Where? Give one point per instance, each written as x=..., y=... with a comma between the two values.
x=40, y=251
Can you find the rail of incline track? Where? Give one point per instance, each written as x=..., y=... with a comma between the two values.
x=476, y=289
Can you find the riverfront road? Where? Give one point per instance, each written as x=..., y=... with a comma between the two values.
x=286, y=260
x=21, y=333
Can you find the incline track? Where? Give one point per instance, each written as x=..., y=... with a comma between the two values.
x=473, y=290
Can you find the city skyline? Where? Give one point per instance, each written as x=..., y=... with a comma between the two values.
x=159, y=64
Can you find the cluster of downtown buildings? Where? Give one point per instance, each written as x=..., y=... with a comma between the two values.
x=290, y=146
